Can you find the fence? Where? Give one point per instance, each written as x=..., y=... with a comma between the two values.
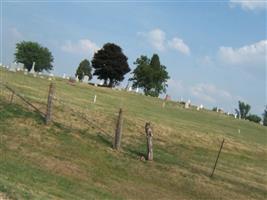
x=55, y=106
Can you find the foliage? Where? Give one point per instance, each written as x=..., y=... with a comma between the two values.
x=84, y=69
x=214, y=109
x=150, y=75
x=29, y=52
x=254, y=118
x=265, y=117
x=110, y=64
x=243, y=110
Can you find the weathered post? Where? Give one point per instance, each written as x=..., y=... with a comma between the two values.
x=217, y=159
x=118, y=131
x=95, y=99
x=11, y=98
x=48, y=116
x=149, y=135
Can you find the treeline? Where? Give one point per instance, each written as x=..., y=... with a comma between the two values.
x=109, y=64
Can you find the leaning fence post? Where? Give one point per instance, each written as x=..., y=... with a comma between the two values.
x=48, y=116
x=117, y=140
x=11, y=98
x=149, y=135
x=217, y=159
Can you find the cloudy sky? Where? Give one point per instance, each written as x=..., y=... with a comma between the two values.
x=215, y=51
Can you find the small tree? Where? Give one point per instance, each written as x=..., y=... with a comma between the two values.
x=243, y=110
x=254, y=118
x=29, y=52
x=110, y=64
x=150, y=75
x=265, y=117
x=83, y=69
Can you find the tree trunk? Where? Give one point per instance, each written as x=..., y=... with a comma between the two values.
x=110, y=82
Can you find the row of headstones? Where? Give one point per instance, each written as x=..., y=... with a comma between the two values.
x=200, y=107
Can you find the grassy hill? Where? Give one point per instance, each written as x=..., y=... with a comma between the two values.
x=73, y=158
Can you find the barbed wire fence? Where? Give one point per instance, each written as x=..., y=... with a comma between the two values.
x=68, y=113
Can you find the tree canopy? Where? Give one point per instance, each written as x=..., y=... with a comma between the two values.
x=29, y=52
x=110, y=64
x=84, y=69
x=150, y=75
x=243, y=110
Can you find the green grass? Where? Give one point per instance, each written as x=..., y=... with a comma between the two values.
x=73, y=159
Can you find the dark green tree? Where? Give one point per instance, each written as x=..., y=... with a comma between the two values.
x=110, y=64
x=150, y=75
x=254, y=118
x=84, y=69
x=29, y=52
x=265, y=117
x=243, y=110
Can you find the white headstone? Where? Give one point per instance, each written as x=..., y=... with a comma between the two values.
x=64, y=76
x=130, y=89
x=32, y=69
x=198, y=108
x=101, y=83
x=235, y=116
x=85, y=79
x=201, y=106
x=77, y=79
x=137, y=90
x=186, y=105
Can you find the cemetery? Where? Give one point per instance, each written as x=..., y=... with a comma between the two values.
x=86, y=142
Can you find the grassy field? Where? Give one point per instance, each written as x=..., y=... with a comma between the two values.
x=73, y=158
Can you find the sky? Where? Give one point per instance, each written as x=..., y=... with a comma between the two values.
x=215, y=51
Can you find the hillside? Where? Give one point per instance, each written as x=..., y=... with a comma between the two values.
x=72, y=158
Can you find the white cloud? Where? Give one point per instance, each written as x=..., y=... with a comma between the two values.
x=210, y=93
x=178, y=44
x=249, y=4
x=83, y=46
x=254, y=54
x=157, y=39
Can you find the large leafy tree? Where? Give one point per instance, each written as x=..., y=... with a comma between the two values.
x=29, y=52
x=265, y=117
x=243, y=110
x=150, y=75
x=83, y=69
x=110, y=64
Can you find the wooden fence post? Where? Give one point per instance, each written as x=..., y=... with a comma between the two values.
x=149, y=135
x=11, y=98
x=48, y=116
x=117, y=140
x=217, y=159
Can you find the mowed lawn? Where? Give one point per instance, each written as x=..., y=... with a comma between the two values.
x=72, y=158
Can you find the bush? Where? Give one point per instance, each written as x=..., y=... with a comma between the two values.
x=254, y=118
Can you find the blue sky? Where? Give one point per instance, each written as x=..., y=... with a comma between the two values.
x=215, y=51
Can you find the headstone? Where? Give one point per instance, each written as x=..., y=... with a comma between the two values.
x=39, y=73
x=32, y=69
x=235, y=116
x=13, y=67
x=95, y=85
x=187, y=105
x=101, y=83
x=217, y=109
x=85, y=79
x=130, y=89
x=64, y=76
x=201, y=106
x=77, y=79
x=137, y=90
x=198, y=108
